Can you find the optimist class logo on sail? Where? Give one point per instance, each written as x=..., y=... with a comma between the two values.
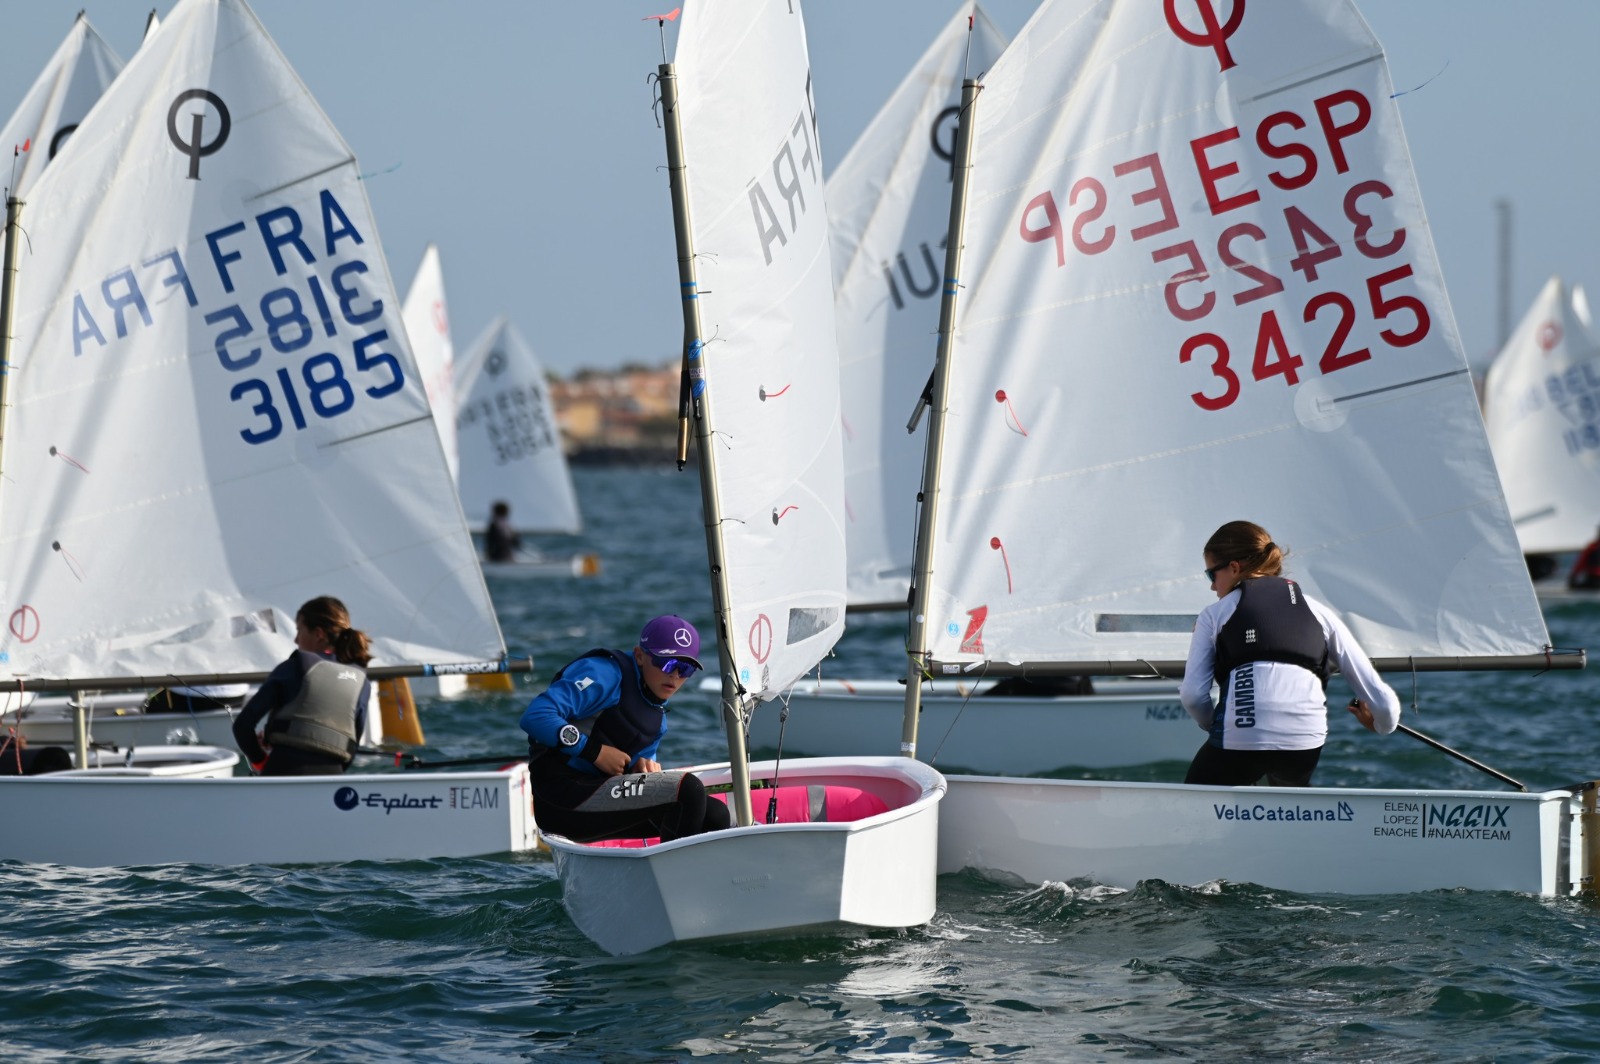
x=284, y=295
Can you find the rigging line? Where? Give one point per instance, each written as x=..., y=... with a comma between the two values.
x=1424, y=85
x=954, y=721
x=777, y=762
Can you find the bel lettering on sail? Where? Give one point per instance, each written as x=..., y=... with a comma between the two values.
x=196, y=147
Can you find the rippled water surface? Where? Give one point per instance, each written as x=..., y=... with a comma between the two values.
x=467, y=960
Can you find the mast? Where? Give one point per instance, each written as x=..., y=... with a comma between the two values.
x=938, y=399
x=8, y=287
x=700, y=400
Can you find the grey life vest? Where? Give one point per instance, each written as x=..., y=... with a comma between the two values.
x=322, y=715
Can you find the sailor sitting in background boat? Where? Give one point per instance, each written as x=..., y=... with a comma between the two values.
x=1585, y=574
x=1266, y=644
x=315, y=702
x=593, y=738
x=501, y=542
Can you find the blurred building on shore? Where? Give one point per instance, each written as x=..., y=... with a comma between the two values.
x=626, y=416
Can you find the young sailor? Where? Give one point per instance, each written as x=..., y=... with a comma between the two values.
x=593, y=738
x=1267, y=645
x=315, y=702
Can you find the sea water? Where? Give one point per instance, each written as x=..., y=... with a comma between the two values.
x=469, y=960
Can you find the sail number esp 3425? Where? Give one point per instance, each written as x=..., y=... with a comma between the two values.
x=1308, y=155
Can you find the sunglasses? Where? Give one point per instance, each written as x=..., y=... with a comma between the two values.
x=1211, y=573
x=675, y=666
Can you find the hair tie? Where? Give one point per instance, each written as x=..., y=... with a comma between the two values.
x=1270, y=547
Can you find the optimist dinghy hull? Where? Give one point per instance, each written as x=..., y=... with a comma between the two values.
x=877, y=871
x=95, y=820
x=120, y=719
x=1128, y=723
x=1315, y=839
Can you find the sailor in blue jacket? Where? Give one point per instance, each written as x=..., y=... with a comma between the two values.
x=593, y=739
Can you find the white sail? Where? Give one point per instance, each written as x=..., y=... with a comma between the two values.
x=508, y=438
x=427, y=319
x=888, y=209
x=1199, y=287
x=68, y=87
x=761, y=240
x=216, y=413
x=1541, y=404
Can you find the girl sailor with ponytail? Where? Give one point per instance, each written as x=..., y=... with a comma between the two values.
x=1268, y=646
x=315, y=702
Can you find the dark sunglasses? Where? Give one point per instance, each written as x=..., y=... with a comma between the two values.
x=675, y=666
x=1211, y=573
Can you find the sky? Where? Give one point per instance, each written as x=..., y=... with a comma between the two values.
x=518, y=135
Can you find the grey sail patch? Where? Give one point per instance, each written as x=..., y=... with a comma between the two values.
x=807, y=621
x=1144, y=622
x=254, y=621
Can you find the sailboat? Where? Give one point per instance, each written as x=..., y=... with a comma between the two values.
x=427, y=319
x=1541, y=406
x=745, y=171
x=511, y=451
x=66, y=89
x=213, y=416
x=889, y=206
x=1192, y=262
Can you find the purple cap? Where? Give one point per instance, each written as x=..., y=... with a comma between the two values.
x=670, y=636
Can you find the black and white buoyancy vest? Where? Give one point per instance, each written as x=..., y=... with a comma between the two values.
x=322, y=715
x=630, y=725
x=1272, y=622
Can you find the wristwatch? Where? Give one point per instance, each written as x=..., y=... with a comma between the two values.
x=570, y=735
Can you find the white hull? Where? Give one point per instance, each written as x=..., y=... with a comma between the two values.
x=876, y=872
x=979, y=733
x=1315, y=839
x=162, y=762
x=574, y=565
x=118, y=719
x=95, y=821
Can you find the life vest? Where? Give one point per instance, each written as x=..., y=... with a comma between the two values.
x=322, y=715
x=1272, y=622
x=630, y=725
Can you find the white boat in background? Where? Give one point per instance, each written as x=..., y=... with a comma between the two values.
x=155, y=762
x=1198, y=285
x=185, y=493
x=1541, y=406
x=969, y=729
x=526, y=565
x=741, y=131
x=427, y=319
x=507, y=434
x=70, y=84
x=888, y=212
x=117, y=718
